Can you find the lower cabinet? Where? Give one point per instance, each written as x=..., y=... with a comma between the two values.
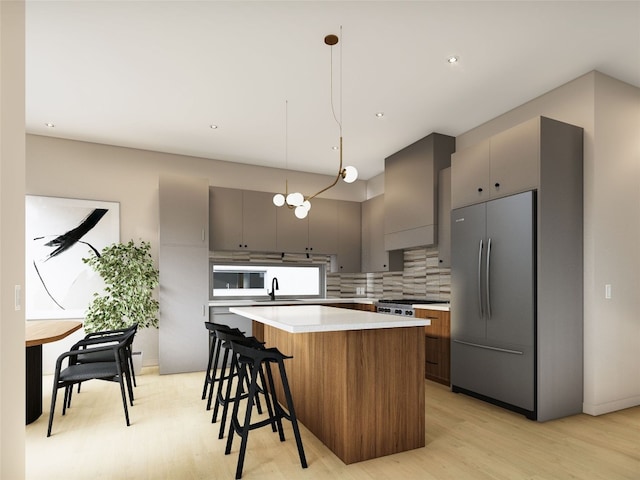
x=437, y=345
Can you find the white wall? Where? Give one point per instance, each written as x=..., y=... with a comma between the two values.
x=12, y=164
x=612, y=339
x=66, y=168
x=609, y=112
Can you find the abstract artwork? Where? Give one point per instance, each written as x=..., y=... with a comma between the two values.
x=59, y=233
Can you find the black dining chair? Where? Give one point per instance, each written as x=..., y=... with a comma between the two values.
x=115, y=368
x=94, y=338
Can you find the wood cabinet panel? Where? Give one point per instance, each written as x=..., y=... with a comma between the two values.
x=437, y=345
x=360, y=392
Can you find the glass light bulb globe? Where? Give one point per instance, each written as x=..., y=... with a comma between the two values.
x=350, y=174
x=278, y=199
x=307, y=204
x=295, y=199
x=301, y=211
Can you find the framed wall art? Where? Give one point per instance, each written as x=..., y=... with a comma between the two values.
x=59, y=233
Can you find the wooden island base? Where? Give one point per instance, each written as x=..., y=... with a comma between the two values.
x=361, y=392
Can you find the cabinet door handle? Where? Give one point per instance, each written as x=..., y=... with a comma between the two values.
x=480, y=310
x=479, y=189
x=488, y=282
x=497, y=185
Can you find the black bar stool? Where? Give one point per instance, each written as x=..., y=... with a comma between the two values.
x=226, y=398
x=211, y=377
x=256, y=358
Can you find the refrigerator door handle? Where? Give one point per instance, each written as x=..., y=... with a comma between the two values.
x=488, y=279
x=480, y=248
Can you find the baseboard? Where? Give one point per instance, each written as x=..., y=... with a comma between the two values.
x=608, y=407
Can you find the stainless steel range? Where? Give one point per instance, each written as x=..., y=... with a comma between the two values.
x=403, y=306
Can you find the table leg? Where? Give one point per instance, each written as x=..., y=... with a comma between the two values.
x=33, y=383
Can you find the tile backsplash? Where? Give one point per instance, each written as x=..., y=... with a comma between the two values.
x=422, y=276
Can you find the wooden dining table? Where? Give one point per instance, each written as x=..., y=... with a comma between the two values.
x=37, y=333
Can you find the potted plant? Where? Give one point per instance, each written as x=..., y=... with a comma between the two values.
x=130, y=278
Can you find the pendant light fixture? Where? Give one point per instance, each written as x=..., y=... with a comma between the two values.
x=296, y=201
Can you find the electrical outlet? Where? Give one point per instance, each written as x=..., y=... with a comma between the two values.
x=607, y=291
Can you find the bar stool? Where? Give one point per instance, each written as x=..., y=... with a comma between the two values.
x=225, y=398
x=211, y=377
x=257, y=358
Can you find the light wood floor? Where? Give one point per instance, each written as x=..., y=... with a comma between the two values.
x=171, y=437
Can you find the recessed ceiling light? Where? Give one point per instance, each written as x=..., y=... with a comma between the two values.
x=380, y=114
x=49, y=125
x=334, y=148
x=213, y=127
x=453, y=59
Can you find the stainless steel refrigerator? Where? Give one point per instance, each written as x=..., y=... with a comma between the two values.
x=493, y=301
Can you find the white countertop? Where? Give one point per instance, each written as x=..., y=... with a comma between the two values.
x=242, y=302
x=443, y=307
x=319, y=318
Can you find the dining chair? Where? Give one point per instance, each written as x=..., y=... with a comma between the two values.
x=115, y=369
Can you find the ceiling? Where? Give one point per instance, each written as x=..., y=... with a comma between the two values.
x=156, y=75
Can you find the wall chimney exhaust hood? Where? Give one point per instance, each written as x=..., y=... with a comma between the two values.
x=411, y=191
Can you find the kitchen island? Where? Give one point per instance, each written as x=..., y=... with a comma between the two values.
x=357, y=378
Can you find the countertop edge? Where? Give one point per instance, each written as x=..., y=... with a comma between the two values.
x=390, y=321
x=445, y=307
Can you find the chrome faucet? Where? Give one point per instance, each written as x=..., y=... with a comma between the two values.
x=274, y=287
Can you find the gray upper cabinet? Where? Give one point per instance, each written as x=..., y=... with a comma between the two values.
x=374, y=256
x=318, y=233
x=503, y=165
x=444, y=218
x=292, y=233
x=348, y=259
x=411, y=191
x=470, y=175
x=241, y=219
x=323, y=226
x=515, y=159
x=183, y=211
x=245, y=219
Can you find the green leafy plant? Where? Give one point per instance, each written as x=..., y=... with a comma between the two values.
x=130, y=278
